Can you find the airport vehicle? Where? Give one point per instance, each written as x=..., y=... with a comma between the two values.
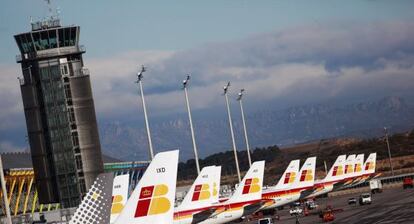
x=365, y=199
x=375, y=185
x=408, y=183
x=295, y=204
x=265, y=221
x=328, y=216
x=277, y=196
x=352, y=201
x=152, y=200
x=245, y=200
x=202, y=194
x=310, y=204
x=296, y=211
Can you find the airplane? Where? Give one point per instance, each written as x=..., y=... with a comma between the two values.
x=289, y=176
x=245, y=200
x=282, y=195
x=348, y=173
x=368, y=170
x=95, y=205
x=334, y=176
x=353, y=169
x=202, y=194
x=119, y=195
x=152, y=201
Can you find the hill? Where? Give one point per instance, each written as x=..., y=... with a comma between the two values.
x=127, y=140
x=402, y=148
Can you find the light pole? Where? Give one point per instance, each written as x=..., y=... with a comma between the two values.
x=389, y=151
x=3, y=187
x=226, y=88
x=185, y=84
x=139, y=81
x=244, y=126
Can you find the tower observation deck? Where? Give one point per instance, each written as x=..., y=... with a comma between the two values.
x=60, y=113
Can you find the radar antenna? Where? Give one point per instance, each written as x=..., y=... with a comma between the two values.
x=49, y=6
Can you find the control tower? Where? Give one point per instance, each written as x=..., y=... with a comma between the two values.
x=59, y=110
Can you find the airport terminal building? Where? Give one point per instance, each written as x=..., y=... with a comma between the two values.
x=60, y=113
x=23, y=195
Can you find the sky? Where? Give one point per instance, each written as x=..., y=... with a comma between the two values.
x=284, y=53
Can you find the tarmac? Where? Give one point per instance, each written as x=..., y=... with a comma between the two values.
x=391, y=206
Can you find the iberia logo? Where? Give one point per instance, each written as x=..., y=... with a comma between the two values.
x=348, y=168
x=201, y=192
x=251, y=186
x=215, y=191
x=152, y=201
x=306, y=175
x=117, y=205
x=358, y=167
x=289, y=178
x=337, y=171
x=369, y=166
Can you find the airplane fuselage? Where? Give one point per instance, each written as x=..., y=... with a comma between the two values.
x=223, y=213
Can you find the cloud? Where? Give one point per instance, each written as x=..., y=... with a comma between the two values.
x=6, y=146
x=297, y=65
x=11, y=112
x=304, y=64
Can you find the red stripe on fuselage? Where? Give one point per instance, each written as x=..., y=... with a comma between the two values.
x=216, y=207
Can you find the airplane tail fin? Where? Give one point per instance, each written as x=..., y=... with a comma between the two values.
x=350, y=166
x=204, y=191
x=96, y=205
x=337, y=170
x=289, y=176
x=250, y=188
x=119, y=195
x=359, y=162
x=152, y=201
x=369, y=166
x=306, y=176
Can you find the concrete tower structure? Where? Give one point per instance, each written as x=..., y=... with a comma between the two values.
x=59, y=111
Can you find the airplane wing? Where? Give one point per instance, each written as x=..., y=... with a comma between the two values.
x=252, y=208
x=306, y=193
x=203, y=215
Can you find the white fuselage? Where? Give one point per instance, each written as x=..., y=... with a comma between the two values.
x=224, y=217
x=326, y=189
x=187, y=220
x=283, y=200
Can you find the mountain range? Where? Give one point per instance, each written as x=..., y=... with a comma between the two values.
x=299, y=124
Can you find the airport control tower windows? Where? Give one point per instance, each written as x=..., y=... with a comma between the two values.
x=25, y=43
x=47, y=39
x=67, y=36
